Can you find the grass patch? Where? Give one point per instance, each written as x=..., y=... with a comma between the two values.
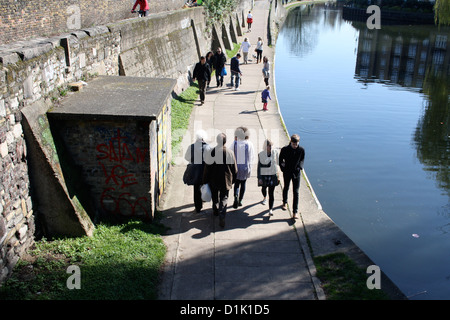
x=232, y=53
x=117, y=262
x=181, y=113
x=342, y=279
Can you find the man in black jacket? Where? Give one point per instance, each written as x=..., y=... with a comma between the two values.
x=291, y=161
x=202, y=73
x=235, y=70
x=219, y=63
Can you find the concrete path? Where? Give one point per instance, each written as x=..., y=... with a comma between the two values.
x=256, y=256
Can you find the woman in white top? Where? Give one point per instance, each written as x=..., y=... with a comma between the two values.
x=259, y=50
x=245, y=48
x=249, y=21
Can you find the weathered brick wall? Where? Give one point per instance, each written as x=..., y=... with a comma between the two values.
x=39, y=69
x=24, y=19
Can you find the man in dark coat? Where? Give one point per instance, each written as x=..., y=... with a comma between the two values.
x=291, y=161
x=202, y=73
x=220, y=173
x=235, y=70
x=219, y=63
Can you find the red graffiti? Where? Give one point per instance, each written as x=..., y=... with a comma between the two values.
x=114, y=198
x=117, y=150
x=123, y=203
x=119, y=176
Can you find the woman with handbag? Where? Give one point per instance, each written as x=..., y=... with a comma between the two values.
x=193, y=175
x=268, y=172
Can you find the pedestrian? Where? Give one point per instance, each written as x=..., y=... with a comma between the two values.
x=249, y=21
x=202, y=73
x=266, y=70
x=267, y=172
x=220, y=173
x=143, y=7
x=235, y=71
x=291, y=162
x=209, y=60
x=259, y=50
x=264, y=95
x=195, y=155
x=219, y=63
x=243, y=152
x=245, y=47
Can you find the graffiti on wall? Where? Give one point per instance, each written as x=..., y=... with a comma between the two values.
x=120, y=162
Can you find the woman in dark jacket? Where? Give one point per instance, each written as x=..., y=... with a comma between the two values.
x=195, y=155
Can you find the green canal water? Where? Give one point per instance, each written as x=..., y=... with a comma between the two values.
x=372, y=111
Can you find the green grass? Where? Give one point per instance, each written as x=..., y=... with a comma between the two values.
x=342, y=279
x=232, y=53
x=181, y=113
x=117, y=262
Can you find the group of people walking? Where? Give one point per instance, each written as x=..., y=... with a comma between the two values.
x=224, y=168
x=216, y=62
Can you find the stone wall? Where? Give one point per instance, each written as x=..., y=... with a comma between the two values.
x=25, y=19
x=33, y=77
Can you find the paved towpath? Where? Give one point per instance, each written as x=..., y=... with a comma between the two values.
x=256, y=256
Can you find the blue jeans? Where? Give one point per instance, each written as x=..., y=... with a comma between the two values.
x=237, y=76
x=239, y=189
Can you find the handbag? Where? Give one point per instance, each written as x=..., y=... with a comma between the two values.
x=224, y=72
x=206, y=193
x=188, y=176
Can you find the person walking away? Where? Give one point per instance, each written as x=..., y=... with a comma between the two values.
x=259, y=50
x=264, y=95
x=209, y=60
x=243, y=152
x=219, y=63
x=220, y=173
x=266, y=70
x=249, y=21
x=291, y=162
x=235, y=71
x=267, y=172
x=203, y=74
x=143, y=8
x=195, y=155
x=245, y=47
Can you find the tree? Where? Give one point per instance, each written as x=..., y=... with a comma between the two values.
x=442, y=12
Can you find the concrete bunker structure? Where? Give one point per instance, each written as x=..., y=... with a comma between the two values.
x=115, y=136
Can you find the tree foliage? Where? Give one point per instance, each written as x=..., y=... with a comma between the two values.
x=442, y=12
x=217, y=10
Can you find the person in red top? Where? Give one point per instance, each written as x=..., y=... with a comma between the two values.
x=143, y=7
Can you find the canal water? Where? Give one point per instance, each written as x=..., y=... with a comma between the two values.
x=372, y=111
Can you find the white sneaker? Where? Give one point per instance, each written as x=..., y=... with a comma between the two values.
x=270, y=212
x=264, y=202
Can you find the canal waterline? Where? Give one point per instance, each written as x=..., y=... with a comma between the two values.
x=365, y=117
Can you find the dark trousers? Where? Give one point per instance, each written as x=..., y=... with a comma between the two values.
x=271, y=196
x=219, y=201
x=239, y=189
x=258, y=55
x=295, y=188
x=198, y=202
x=202, y=88
x=219, y=78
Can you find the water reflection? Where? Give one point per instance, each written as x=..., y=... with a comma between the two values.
x=414, y=58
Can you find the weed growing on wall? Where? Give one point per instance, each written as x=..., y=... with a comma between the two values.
x=217, y=11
